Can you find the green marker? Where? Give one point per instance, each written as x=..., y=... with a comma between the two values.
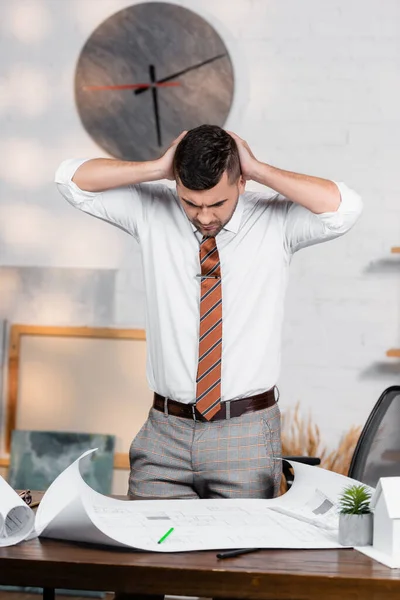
x=165, y=536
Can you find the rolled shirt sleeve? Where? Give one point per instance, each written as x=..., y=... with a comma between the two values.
x=304, y=228
x=122, y=207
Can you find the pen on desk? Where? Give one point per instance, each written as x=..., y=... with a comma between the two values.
x=239, y=552
x=165, y=535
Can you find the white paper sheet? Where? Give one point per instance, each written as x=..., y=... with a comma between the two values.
x=16, y=518
x=304, y=517
x=298, y=519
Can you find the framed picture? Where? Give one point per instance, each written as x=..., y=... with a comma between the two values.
x=78, y=379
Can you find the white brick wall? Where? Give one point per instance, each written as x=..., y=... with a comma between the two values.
x=318, y=91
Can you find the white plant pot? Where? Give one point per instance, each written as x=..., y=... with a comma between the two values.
x=355, y=530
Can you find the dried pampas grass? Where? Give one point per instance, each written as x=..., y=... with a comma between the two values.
x=301, y=437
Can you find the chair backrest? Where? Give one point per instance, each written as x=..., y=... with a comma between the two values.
x=38, y=457
x=377, y=453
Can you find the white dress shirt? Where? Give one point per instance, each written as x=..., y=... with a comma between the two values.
x=255, y=249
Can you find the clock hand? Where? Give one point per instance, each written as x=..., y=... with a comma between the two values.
x=179, y=73
x=205, y=62
x=152, y=72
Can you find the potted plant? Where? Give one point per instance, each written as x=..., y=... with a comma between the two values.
x=355, y=516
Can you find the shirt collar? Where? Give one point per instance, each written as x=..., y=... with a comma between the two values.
x=234, y=222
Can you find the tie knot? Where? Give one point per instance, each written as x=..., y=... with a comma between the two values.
x=208, y=243
x=209, y=258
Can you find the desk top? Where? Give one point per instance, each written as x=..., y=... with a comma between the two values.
x=268, y=574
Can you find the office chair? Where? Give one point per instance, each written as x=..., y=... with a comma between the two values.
x=377, y=453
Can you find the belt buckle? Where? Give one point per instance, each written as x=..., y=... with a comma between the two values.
x=194, y=411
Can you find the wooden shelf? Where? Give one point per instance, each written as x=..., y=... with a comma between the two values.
x=395, y=250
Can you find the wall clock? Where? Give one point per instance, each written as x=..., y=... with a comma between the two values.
x=148, y=72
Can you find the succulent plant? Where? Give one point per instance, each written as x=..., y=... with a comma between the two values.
x=355, y=500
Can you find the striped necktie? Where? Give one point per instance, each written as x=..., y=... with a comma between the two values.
x=208, y=392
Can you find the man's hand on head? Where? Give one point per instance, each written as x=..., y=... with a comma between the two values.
x=249, y=164
x=166, y=162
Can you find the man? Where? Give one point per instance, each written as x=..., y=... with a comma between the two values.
x=215, y=261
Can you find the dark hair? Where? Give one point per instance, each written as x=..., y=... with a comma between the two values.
x=203, y=155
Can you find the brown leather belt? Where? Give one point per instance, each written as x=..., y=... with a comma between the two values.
x=230, y=409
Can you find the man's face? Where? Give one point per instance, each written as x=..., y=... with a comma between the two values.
x=210, y=210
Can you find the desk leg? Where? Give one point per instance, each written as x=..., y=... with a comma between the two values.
x=49, y=594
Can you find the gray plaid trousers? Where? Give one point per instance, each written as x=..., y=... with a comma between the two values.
x=173, y=457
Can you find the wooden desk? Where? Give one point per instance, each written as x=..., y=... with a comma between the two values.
x=270, y=574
